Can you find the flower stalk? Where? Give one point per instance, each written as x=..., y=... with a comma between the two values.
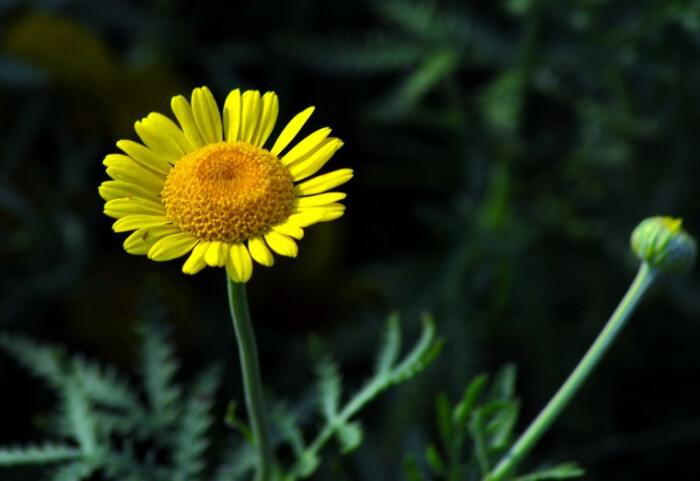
x=252, y=381
x=645, y=277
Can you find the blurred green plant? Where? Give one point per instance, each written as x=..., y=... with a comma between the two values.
x=475, y=432
x=162, y=431
x=104, y=424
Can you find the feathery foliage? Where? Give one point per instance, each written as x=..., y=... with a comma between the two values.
x=390, y=370
x=475, y=432
x=103, y=426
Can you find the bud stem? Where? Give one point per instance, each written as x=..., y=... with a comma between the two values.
x=550, y=413
x=252, y=382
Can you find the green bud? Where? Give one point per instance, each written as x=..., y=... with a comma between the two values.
x=662, y=243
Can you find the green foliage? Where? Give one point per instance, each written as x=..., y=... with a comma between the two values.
x=105, y=427
x=475, y=432
x=389, y=370
x=46, y=453
x=101, y=417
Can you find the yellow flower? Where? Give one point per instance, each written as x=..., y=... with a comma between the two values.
x=209, y=189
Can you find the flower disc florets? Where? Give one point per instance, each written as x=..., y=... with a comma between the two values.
x=228, y=192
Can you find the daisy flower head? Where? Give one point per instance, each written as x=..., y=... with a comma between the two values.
x=208, y=189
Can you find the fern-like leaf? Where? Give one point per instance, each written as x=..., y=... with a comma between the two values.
x=329, y=387
x=349, y=436
x=464, y=408
x=391, y=346
x=159, y=366
x=79, y=416
x=104, y=385
x=287, y=425
x=42, y=360
x=239, y=461
x=38, y=454
x=73, y=472
x=424, y=352
x=191, y=440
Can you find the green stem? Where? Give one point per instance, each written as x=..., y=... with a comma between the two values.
x=549, y=414
x=252, y=382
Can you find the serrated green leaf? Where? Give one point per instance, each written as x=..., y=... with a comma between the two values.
x=560, y=471
x=478, y=434
x=434, y=460
x=104, y=385
x=422, y=354
x=38, y=454
x=238, y=462
x=443, y=412
x=350, y=436
x=79, y=415
x=501, y=425
x=503, y=387
x=308, y=464
x=158, y=367
x=391, y=345
x=329, y=387
x=464, y=408
x=42, y=360
x=288, y=426
x=191, y=436
x=73, y=472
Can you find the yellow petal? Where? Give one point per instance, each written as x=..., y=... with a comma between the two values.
x=270, y=109
x=116, y=189
x=305, y=219
x=172, y=246
x=319, y=200
x=151, y=133
x=289, y=229
x=232, y=115
x=332, y=207
x=313, y=215
x=141, y=240
x=206, y=115
x=312, y=163
x=170, y=128
x=145, y=156
x=306, y=146
x=332, y=215
x=238, y=263
x=123, y=168
x=282, y=244
x=129, y=206
x=291, y=130
x=250, y=114
x=183, y=114
x=138, y=221
x=260, y=252
x=195, y=262
x=215, y=256
x=324, y=182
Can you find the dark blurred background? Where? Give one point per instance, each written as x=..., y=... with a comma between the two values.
x=503, y=152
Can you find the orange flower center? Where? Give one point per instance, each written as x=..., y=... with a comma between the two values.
x=229, y=191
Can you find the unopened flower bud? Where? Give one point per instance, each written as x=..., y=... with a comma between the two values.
x=663, y=244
